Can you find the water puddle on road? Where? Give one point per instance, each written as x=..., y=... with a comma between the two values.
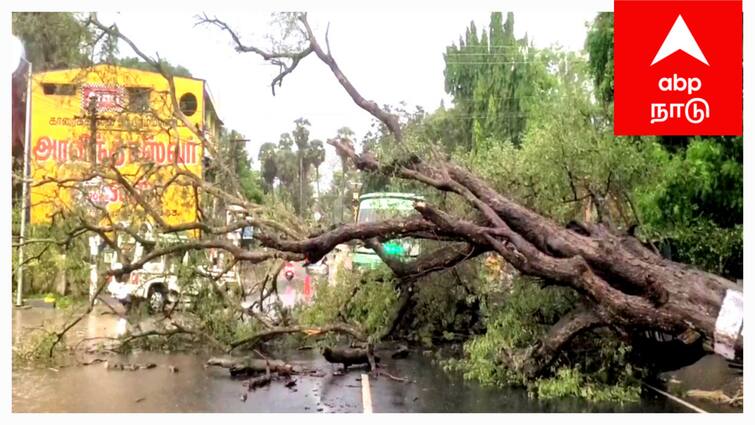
x=180, y=382
x=194, y=388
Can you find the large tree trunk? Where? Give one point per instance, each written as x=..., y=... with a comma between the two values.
x=624, y=286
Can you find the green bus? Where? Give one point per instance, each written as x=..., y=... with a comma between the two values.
x=381, y=206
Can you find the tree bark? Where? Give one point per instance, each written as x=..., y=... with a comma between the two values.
x=627, y=286
x=635, y=288
x=349, y=356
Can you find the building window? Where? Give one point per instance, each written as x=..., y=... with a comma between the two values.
x=188, y=104
x=138, y=99
x=59, y=89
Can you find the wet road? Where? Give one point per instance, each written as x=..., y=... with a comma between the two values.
x=195, y=388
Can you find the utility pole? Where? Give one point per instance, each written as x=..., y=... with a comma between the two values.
x=24, y=192
x=301, y=183
x=91, y=115
x=92, y=110
x=92, y=156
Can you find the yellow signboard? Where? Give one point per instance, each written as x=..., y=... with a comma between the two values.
x=138, y=144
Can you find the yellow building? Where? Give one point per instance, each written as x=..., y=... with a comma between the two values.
x=137, y=138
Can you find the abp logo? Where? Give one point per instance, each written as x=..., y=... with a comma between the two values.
x=678, y=67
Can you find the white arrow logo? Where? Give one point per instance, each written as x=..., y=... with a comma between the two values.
x=679, y=38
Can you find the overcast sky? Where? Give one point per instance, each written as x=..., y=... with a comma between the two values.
x=390, y=56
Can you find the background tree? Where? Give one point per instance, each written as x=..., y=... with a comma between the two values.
x=52, y=41
x=693, y=210
x=315, y=157
x=599, y=45
x=300, y=135
x=135, y=62
x=237, y=157
x=343, y=181
x=269, y=166
x=55, y=40
x=288, y=167
x=493, y=77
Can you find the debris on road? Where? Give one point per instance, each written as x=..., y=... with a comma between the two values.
x=347, y=356
x=401, y=352
x=128, y=366
x=717, y=396
x=258, y=382
x=246, y=366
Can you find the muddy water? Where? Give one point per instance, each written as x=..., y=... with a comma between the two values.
x=195, y=388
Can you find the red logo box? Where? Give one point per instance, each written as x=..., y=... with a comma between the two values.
x=678, y=67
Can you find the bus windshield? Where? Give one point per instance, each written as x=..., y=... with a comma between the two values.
x=378, y=209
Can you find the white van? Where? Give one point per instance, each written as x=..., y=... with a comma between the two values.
x=157, y=281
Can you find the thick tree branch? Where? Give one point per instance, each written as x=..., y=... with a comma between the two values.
x=307, y=330
x=569, y=326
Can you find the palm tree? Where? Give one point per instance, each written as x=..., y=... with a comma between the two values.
x=285, y=161
x=285, y=142
x=301, y=138
x=269, y=166
x=343, y=133
x=315, y=157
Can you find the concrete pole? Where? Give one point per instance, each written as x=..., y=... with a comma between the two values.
x=93, y=276
x=24, y=193
x=92, y=281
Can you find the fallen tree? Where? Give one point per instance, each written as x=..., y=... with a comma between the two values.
x=625, y=287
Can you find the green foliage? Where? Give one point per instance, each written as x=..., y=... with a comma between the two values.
x=604, y=374
x=367, y=299
x=337, y=200
x=53, y=40
x=235, y=165
x=495, y=358
x=138, y=63
x=292, y=168
x=691, y=201
x=705, y=180
x=268, y=165
x=494, y=79
x=447, y=306
x=328, y=300
x=218, y=319
x=569, y=156
x=374, y=303
x=515, y=325
x=33, y=349
x=696, y=204
x=599, y=46
x=44, y=261
x=571, y=382
x=68, y=302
